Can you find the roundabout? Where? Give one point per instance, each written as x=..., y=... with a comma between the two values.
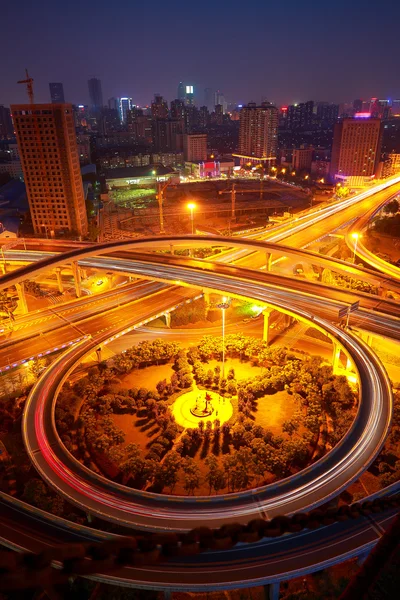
x=142, y=509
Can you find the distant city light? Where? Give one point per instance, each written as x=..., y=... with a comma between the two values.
x=189, y=89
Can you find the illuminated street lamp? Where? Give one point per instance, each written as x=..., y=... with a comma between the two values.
x=355, y=237
x=191, y=206
x=283, y=171
x=223, y=306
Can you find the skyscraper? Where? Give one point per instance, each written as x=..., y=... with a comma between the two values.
x=181, y=91
x=159, y=107
x=220, y=99
x=56, y=93
x=125, y=104
x=356, y=147
x=6, y=126
x=189, y=95
x=50, y=162
x=300, y=116
x=258, y=133
x=209, y=99
x=95, y=94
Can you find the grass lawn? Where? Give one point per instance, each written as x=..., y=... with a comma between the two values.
x=273, y=410
x=138, y=430
x=243, y=370
x=147, y=377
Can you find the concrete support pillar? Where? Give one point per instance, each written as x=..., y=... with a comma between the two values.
x=83, y=273
x=362, y=557
x=77, y=278
x=3, y=267
x=206, y=297
x=266, y=315
x=168, y=319
x=268, y=261
x=171, y=249
x=335, y=357
x=21, y=297
x=349, y=364
x=167, y=594
x=98, y=352
x=59, y=280
x=272, y=591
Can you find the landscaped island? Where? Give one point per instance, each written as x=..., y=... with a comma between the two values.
x=171, y=420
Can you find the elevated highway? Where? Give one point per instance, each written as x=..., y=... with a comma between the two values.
x=313, y=486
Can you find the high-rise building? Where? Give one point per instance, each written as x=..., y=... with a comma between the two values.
x=125, y=104
x=189, y=95
x=203, y=117
x=302, y=159
x=258, y=133
x=159, y=107
x=357, y=105
x=209, y=99
x=327, y=113
x=195, y=147
x=50, y=162
x=140, y=125
x=114, y=103
x=110, y=121
x=178, y=109
x=181, y=91
x=6, y=125
x=95, y=94
x=220, y=100
x=356, y=147
x=165, y=134
x=57, y=93
x=300, y=116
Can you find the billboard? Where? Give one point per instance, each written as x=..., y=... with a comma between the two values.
x=189, y=89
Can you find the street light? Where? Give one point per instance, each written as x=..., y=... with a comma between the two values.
x=223, y=306
x=355, y=236
x=191, y=206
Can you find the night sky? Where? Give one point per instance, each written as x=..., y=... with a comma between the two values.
x=284, y=51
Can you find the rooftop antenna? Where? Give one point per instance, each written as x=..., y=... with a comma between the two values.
x=29, y=85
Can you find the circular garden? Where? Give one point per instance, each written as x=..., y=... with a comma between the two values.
x=175, y=420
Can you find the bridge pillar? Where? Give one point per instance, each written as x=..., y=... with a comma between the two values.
x=171, y=249
x=168, y=319
x=21, y=297
x=167, y=594
x=272, y=591
x=59, y=280
x=77, y=278
x=335, y=357
x=361, y=558
x=268, y=261
x=98, y=352
x=83, y=273
x=3, y=267
x=266, y=317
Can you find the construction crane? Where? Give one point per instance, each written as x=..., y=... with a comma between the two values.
x=29, y=85
x=233, y=191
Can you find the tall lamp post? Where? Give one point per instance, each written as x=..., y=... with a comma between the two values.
x=223, y=306
x=355, y=237
x=191, y=206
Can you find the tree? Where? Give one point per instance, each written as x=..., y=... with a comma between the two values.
x=290, y=427
x=36, y=366
x=391, y=207
x=191, y=475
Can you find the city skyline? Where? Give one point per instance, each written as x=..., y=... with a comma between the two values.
x=324, y=68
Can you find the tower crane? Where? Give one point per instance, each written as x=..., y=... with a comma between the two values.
x=29, y=85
